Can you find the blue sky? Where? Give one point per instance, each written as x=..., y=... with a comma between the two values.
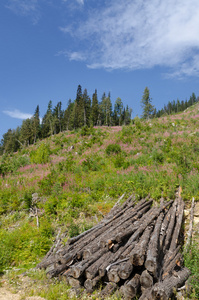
x=48, y=47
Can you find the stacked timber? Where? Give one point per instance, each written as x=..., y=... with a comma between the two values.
x=135, y=249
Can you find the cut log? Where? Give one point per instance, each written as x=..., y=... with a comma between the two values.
x=164, y=227
x=78, y=269
x=125, y=269
x=124, y=224
x=146, y=280
x=151, y=215
x=170, y=227
x=170, y=257
x=164, y=290
x=113, y=275
x=93, y=270
x=177, y=261
x=137, y=255
x=56, y=271
x=179, y=217
x=110, y=288
x=75, y=283
x=130, y=289
x=151, y=262
x=90, y=284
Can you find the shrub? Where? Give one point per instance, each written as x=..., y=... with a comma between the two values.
x=113, y=149
x=41, y=155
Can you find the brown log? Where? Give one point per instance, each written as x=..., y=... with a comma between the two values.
x=164, y=290
x=75, y=283
x=125, y=269
x=146, y=295
x=102, y=230
x=153, y=248
x=90, y=284
x=124, y=223
x=146, y=280
x=113, y=275
x=164, y=227
x=127, y=249
x=137, y=255
x=56, y=271
x=78, y=244
x=177, y=261
x=179, y=217
x=170, y=227
x=170, y=257
x=120, y=235
x=87, y=252
x=78, y=269
x=110, y=288
x=93, y=270
x=130, y=289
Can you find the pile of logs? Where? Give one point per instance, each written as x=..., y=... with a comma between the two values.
x=135, y=249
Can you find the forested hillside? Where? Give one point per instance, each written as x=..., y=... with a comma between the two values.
x=84, y=111
x=68, y=181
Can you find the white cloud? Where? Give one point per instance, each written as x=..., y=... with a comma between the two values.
x=17, y=114
x=25, y=8
x=80, y=1
x=142, y=34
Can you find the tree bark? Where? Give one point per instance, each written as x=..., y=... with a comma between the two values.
x=125, y=269
x=146, y=280
x=151, y=262
x=108, y=290
x=163, y=290
x=137, y=255
x=130, y=289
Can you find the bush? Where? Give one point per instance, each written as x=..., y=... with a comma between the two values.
x=41, y=155
x=113, y=149
x=11, y=164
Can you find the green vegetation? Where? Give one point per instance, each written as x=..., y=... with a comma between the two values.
x=79, y=175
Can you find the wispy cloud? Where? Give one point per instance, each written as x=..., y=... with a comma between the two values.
x=78, y=56
x=17, y=114
x=78, y=1
x=25, y=8
x=141, y=34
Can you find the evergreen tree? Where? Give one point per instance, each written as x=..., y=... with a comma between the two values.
x=118, y=108
x=10, y=142
x=127, y=116
x=94, y=110
x=67, y=122
x=106, y=110
x=148, y=108
x=26, y=134
x=47, y=121
x=36, y=124
x=57, y=118
x=86, y=108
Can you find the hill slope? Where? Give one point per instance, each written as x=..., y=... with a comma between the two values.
x=68, y=181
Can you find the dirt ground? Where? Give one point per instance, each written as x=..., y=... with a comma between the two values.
x=6, y=295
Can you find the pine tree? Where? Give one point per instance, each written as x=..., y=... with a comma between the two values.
x=94, y=110
x=86, y=101
x=57, y=118
x=148, y=108
x=118, y=108
x=36, y=124
x=47, y=121
x=26, y=134
x=67, y=122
